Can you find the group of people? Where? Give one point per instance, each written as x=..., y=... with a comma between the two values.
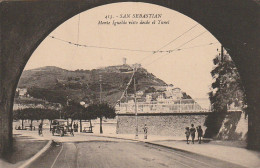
x=191, y=132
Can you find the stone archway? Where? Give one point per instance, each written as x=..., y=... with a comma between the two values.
x=24, y=24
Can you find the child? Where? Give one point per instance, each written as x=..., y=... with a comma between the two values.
x=197, y=128
x=187, y=133
x=192, y=133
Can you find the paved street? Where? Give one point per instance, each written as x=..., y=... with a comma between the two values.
x=101, y=152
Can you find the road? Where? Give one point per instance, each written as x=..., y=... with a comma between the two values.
x=101, y=152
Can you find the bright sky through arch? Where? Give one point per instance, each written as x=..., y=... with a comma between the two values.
x=188, y=69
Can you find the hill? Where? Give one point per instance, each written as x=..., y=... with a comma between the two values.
x=57, y=85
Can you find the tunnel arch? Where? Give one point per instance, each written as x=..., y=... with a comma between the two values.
x=234, y=23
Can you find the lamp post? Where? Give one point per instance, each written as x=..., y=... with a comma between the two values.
x=100, y=100
x=100, y=86
x=136, y=119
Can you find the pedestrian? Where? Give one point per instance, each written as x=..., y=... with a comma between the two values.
x=40, y=129
x=192, y=133
x=31, y=126
x=187, y=133
x=71, y=129
x=74, y=126
x=77, y=127
x=200, y=133
x=145, y=131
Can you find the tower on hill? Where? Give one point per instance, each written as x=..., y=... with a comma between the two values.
x=124, y=60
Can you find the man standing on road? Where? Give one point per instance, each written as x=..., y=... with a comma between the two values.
x=192, y=133
x=145, y=131
x=71, y=129
x=40, y=129
x=200, y=133
x=74, y=127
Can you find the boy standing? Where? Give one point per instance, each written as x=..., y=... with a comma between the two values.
x=187, y=133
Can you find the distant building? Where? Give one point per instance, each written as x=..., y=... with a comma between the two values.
x=177, y=92
x=136, y=65
x=139, y=93
x=124, y=61
x=148, y=98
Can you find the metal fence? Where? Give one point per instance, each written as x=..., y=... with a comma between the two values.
x=176, y=106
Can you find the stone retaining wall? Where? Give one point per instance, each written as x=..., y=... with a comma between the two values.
x=160, y=124
x=232, y=125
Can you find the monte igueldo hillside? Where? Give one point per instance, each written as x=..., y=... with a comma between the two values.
x=57, y=85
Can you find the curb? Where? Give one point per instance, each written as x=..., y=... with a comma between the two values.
x=177, y=149
x=37, y=155
x=116, y=137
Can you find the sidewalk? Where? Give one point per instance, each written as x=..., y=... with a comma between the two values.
x=240, y=156
x=24, y=148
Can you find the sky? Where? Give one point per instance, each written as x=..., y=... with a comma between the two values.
x=188, y=68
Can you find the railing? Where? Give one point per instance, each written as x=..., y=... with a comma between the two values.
x=186, y=106
x=161, y=108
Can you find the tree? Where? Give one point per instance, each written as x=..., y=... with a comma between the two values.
x=89, y=114
x=51, y=114
x=102, y=110
x=19, y=115
x=34, y=114
x=227, y=88
x=74, y=111
x=51, y=95
x=29, y=113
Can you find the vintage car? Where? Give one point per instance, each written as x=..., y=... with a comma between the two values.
x=60, y=126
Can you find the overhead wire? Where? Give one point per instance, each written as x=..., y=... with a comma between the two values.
x=102, y=47
x=112, y=48
x=170, y=42
x=81, y=45
x=178, y=37
x=180, y=49
x=176, y=48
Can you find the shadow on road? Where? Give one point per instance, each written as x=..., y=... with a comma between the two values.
x=24, y=147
